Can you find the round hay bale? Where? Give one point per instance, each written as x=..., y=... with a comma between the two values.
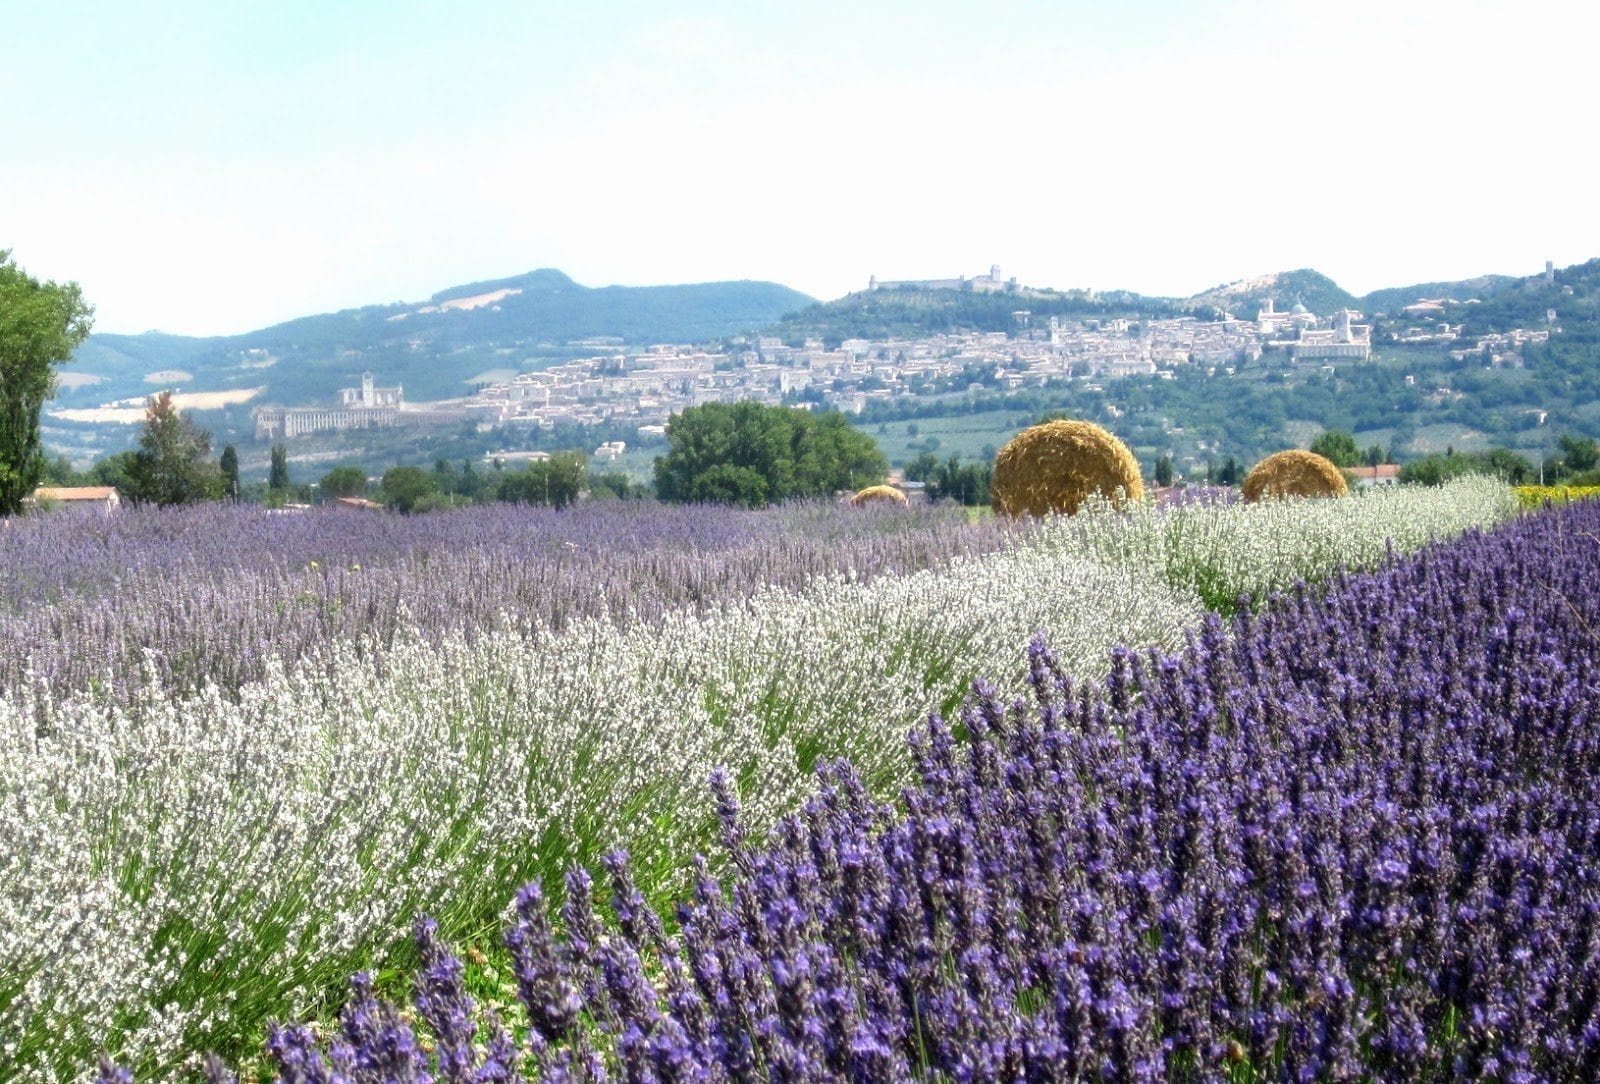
x=1295, y=473
x=1056, y=466
x=878, y=494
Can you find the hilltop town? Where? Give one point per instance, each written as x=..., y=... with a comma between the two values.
x=644, y=388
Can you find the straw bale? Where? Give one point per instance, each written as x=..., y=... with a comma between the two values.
x=875, y=494
x=1295, y=473
x=1056, y=466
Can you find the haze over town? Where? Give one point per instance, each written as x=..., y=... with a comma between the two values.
x=215, y=168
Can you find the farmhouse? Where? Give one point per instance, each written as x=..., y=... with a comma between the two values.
x=104, y=499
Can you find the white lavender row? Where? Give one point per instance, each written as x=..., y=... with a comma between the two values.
x=1225, y=552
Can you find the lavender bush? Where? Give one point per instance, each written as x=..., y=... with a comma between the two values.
x=181, y=868
x=1351, y=838
x=211, y=593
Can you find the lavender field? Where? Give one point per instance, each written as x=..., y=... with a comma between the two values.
x=1350, y=839
x=245, y=752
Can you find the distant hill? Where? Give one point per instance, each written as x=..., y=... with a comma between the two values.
x=433, y=349
x=910, y=312
x=1394, y=299
x=1285, y=289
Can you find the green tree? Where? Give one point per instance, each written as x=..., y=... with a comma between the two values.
x=1436, y=470
x=60, y=472
x=1338, y=447
x=619, y=485
x=41, y=324
x=172, y=463
x=1580, y=453
x=229, y=465
x=409, y=489
x=555, y=482
x=751, y=454
x=1163, y=470
x=922, y=468
x=114, y=470
x=278, y=472
x=968, y=484
x=344, y=482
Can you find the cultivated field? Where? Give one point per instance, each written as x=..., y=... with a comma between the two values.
x=241, y=753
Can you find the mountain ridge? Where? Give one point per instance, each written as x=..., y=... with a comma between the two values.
x=431, y=347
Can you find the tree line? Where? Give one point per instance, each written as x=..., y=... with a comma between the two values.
x=745, y=453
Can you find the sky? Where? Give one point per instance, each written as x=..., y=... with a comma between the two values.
x=216, y=167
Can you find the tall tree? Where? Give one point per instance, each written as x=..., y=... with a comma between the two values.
x=278, y=473
x=172, y=464
x=230, y=472
x=41, y=324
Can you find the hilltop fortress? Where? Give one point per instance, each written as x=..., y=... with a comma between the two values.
x=991, y=283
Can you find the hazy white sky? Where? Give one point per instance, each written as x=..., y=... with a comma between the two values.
x=211, y=167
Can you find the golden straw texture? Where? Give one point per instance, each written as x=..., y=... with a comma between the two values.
x=1295, y=473
x=878, y=493
x=1056, y=466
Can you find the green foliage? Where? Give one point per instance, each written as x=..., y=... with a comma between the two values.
x=1338, y=448
x=41, y=323
x=229, y=465
x=172, y=465
x=1499, y=463
x=60, y=472
x=751, y=454
x=344, y=482
x=968, y=485
x=409, y=489
x=278, y=474
x=114, y=470
x=1163, y=471
x=619, y=485
x=1579, y=453
x=555, y=482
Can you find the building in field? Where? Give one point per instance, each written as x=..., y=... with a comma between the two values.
x=102, y=499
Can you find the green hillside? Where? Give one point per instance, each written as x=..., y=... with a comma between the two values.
x=1394, y=299
x=433, y=348
x=907, y=312
x=1286, y=289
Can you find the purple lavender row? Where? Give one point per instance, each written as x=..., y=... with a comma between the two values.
x=1353, y=838
x=213, y=592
